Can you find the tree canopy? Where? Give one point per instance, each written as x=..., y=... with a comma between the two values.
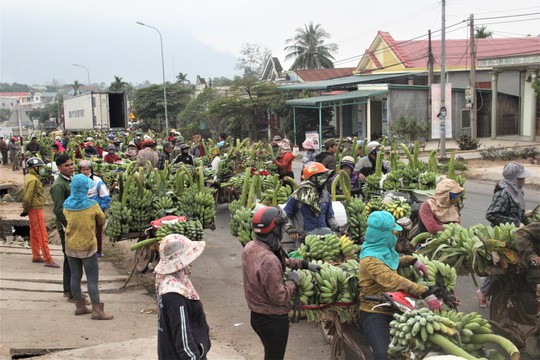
x=148, y=104
x=252, y=59
x=309, y=50
x=481, y=32
x=118, y=84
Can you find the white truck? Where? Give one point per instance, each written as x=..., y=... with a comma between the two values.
x=96, y=110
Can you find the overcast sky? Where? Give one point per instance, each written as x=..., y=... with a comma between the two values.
x=41, y=39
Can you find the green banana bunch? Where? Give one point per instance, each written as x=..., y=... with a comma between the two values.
x=439, y=273
x=393, y=180
x=162, y=206
x=473, y=247
x=416, y=330
x=532, y=216
x=398, y=208
x=118, y=220
x=333, y=285
x=356, y=219
x=306, y=288
x=347, y=247
x=242, y=221
x=427, y=180
x=372, y=186
x=320, y=247
x=374, y=204
x=191, y=229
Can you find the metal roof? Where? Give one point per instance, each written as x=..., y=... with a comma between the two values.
x=349, y=98
x=348, y=80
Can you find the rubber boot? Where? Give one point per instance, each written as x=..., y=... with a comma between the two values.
x=80, y=307
x=99, y=314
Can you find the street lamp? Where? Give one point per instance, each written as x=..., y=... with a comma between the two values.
x=87, y=71
x=163, y=70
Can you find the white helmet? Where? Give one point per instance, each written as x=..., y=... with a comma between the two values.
x=373, y=145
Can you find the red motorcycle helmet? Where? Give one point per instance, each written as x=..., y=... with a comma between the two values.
x=266, y=219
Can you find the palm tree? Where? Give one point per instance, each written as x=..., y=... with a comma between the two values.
x=76, y=85
x=181, y=78
x=117, y=84
x=309, y=50
x=481, y=32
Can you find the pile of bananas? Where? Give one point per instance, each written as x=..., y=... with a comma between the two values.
x=119, y=218
x=320, y=247
x=455, y=333
x=191, y=229
x=347, y=247
x=533, y=215
x=372, y=186
x=439, y=273
x=474, y=247
x=396, y=206
x=374, y=204
x=356, y=219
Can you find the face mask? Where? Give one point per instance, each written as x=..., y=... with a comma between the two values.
x=42, y=172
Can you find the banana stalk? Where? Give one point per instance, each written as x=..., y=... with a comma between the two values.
x=451, y=169
x=449, y=347
x=143, y=243
x=394, y=156
x=378, y=164
x=433, y=166
x=256, y=179
x=245, y=187
x=407, y=152
x=416, y=151
x=504, y=343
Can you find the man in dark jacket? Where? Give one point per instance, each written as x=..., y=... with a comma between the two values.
x=33, y=146
x=327, y=157
x=185, y=157
x=4, y=149
x=366, y=165
x=60, y=191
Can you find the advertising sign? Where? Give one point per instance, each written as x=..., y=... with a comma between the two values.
x=314, y=135
x=435, y=109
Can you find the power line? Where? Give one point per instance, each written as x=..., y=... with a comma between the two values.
x=508, y=16
x=508, y=22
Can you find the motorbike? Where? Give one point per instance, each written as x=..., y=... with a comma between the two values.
x=348, y=339
x=513, y=309
x=147, y=257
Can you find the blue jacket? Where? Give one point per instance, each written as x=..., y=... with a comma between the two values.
x=302, y=214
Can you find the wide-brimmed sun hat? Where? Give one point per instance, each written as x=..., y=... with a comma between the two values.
x=308, y=144
x=176, y=252
x=515, y=170
x=285, y=145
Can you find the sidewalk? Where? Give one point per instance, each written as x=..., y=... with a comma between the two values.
x=36, y=317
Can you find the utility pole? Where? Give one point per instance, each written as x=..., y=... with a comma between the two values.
x=442, y=111
x=430, y=75
x=474, y=126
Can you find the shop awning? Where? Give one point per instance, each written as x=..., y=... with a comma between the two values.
x=349, y=98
